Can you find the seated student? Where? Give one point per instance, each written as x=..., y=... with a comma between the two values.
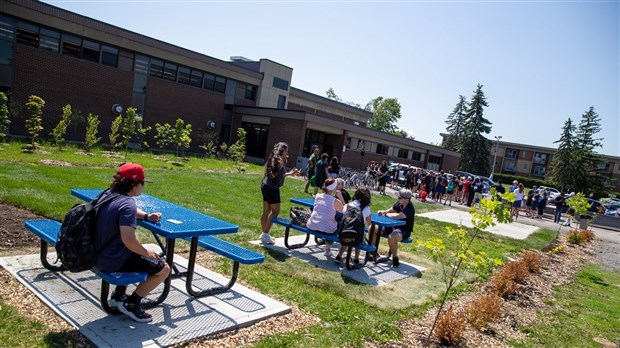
x=361, y=198
x=403, y=210
x=340, y=187
x=423, y=194
x=115, y=231
x=323, y=217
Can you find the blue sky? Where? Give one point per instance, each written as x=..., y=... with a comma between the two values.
x=540, y=62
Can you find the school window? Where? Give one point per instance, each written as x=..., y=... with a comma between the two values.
x=49, y=40
x=382, y=149
x=196, y=79
x=184, y=73
x=90, y=51
x=434, y=159
x=209, y=82
x=157, y=68
x=170, y=71
x=141, y=64
x=7, y=28
x=511, y=153
x=71, y=45
x=540, y=171
x=416, y=156
x=540, y=158
x=27, y=34
x=220, y=84
x=109, y=56
x=280, y=83
x=250, y=92
x=281, y=102
x=403, y=153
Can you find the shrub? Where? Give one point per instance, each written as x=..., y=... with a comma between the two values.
x=557, y=250
x=503, y=284
x=450, y=327
x=575, y=237
x=517, y=271
x=92, y=129
x=60, y=130
x=4, y=116
x=34, y=122
x=533, y=261
x=586, y=235
x=483, y=309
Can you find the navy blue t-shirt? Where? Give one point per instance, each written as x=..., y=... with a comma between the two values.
x=409, y=212
x=121, y=211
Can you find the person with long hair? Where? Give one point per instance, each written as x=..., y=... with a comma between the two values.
x=334, y=167
x=323, y=217
x=275, y=172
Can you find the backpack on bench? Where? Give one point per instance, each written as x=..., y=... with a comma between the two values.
x=352, y=227
x=76, y=242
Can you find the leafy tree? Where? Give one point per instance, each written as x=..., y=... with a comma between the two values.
x=60, y=130
x=588, y=178
x=4, y=116
x=563, y=165
x=236, y=151
x=34, y=122
x=164, y=135
x=180, y=135
x=474, y=147
x=385, y=114
x=331, y=94
x=458, y=254
x=115, y=130
x=455, y=124
x=92, y=129
x=131, y=125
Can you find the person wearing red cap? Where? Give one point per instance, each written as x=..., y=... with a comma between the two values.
x=121, y=251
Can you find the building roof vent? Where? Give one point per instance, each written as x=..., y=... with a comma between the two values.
x=239, y=59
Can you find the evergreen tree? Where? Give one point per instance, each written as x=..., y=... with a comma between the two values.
x=474, y=147
x=563, y=164
x=587, y=176
x=455, y=125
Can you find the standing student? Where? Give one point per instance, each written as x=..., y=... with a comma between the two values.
x=516, y=205
x=383, y=176
x=334, y=167
x=560, y=203
x=275, y=173
x=321, y=172
x=115, y=232
x=311, y=166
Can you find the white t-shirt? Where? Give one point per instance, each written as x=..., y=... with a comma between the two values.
x=518, y=194
x=365, y=213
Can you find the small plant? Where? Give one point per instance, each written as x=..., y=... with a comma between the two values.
x=164, y=135
x=60, y=130
x=483, y=309
x=517, y=271
x=237, y=150
x=34, y=122
x=533, y=261
x=131, y=125
x=208, y=139
x=180, y=135
x=92, y=129
x=575, y=237
x=115, y=131
x=557, y=250
x=450, y=327
x=503, y=284
x=4, y=116
x=587, y=235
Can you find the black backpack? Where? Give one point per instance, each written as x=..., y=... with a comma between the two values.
x=76, y=242
x=352, y=227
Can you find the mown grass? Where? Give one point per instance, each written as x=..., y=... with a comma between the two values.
x=586, y=314
x=350, y=313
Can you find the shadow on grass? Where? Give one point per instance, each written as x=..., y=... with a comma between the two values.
x=278, y=256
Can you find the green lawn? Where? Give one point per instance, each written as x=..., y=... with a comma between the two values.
x=355, y=312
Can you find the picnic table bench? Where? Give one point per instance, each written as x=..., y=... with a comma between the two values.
x=48, y=231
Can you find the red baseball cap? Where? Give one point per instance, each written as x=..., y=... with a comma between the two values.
x=132, y=171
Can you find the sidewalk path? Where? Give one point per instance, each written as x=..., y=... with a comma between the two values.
x=514, y=230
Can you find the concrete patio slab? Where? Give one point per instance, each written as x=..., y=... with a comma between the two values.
x=373, y=274
x=75, y=297
x=514, y=230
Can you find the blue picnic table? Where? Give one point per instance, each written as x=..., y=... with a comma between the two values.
x=176, y=222
x=378, y=221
